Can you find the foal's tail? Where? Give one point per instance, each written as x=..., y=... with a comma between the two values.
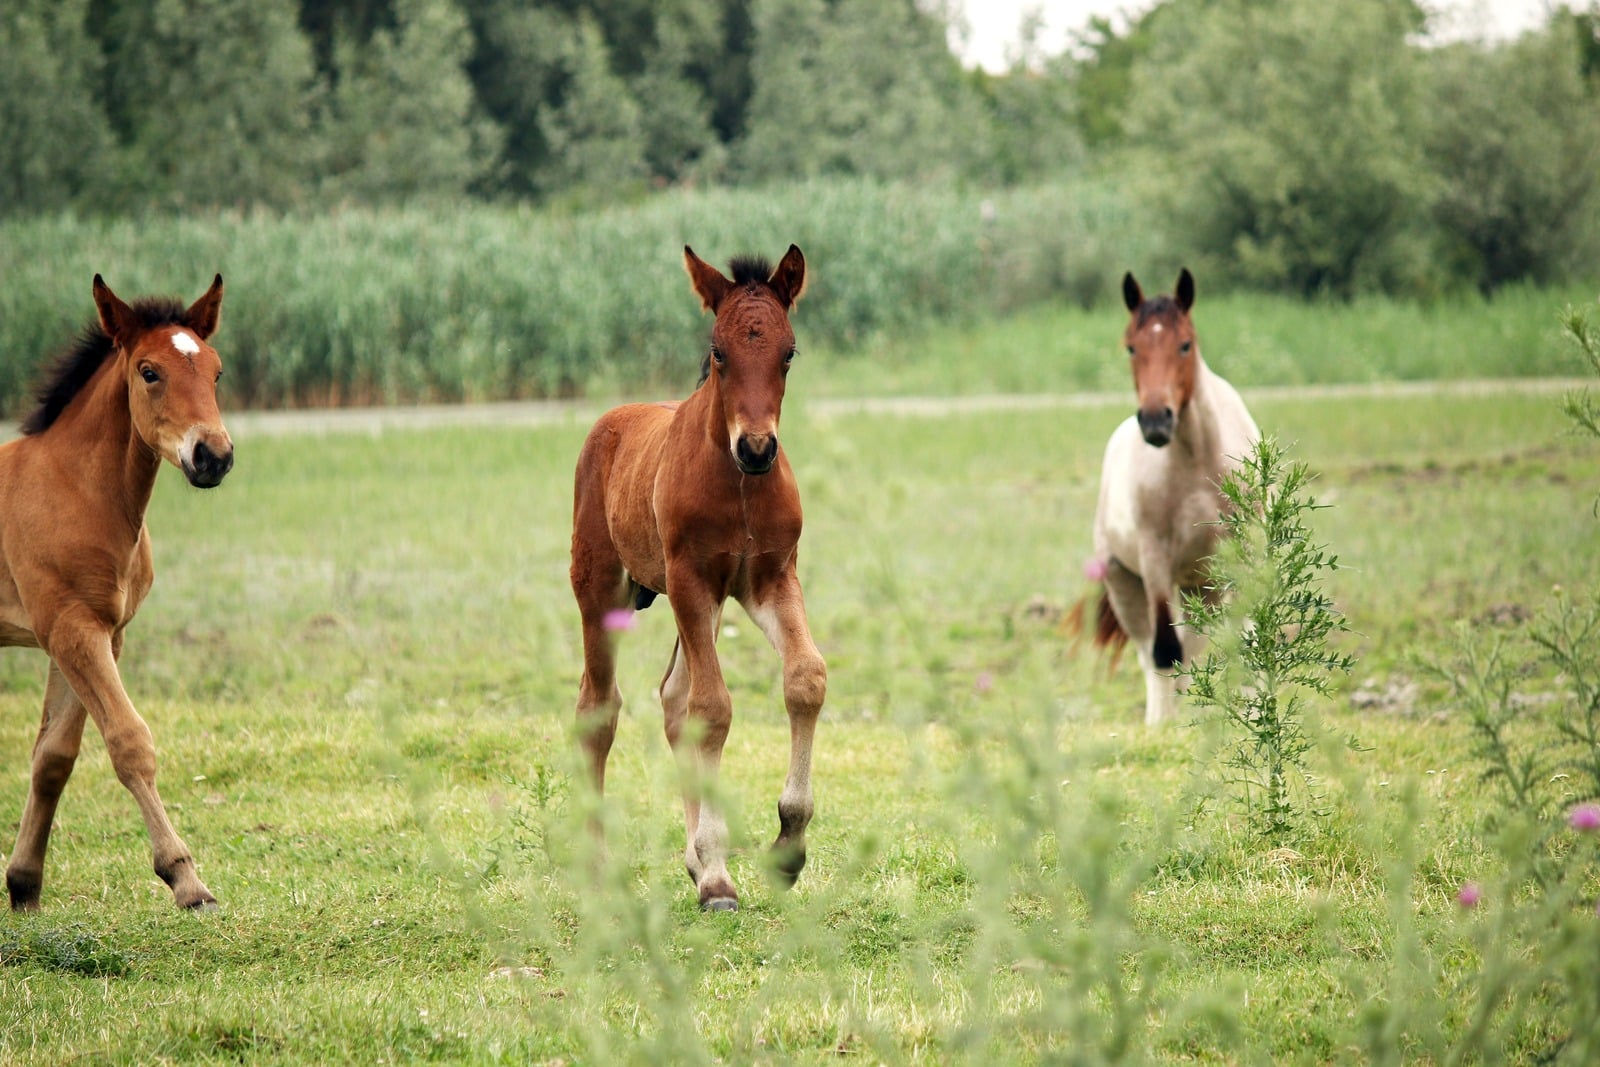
x=1108, y=632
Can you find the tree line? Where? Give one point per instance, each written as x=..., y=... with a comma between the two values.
x=1300, y=145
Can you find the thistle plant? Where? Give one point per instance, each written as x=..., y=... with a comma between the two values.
x=1585, y=336
x=1269, y=622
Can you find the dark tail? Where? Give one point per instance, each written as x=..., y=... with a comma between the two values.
x=1108, y=632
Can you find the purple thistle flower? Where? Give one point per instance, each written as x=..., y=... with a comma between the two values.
x=1469, y=895
x=1585, y=817
x=620, y=619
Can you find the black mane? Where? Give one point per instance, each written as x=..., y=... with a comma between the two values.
x=72, y=370
x=750, y=269
x=1158, y=307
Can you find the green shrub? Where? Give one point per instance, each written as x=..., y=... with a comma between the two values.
x=455, y=303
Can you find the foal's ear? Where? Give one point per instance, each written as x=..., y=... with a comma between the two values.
x=708, y=280
x=1185, y=290
x=789, y=280
x=1131, y=293
x=203, y=313
x=116, y=317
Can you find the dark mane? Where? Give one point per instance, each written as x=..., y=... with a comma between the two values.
x=750, y=269
x=72, y=370
x=1158, y=307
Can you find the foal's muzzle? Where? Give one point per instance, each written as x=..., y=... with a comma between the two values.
x=1157, y=426
x=205, y=468
x=756, y=453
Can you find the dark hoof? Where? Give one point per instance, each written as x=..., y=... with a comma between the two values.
x=787, y=863
x=24, y=890
x=205, y=905
x=719, y=904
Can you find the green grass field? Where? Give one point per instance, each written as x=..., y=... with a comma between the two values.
x=360, y=661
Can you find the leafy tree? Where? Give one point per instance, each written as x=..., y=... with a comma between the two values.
x=1284, y=139
x=1103, y=78
x=52, y=132
x=208, y=100
x=403, y=120
x=593, y=134
x=517, y=69
x=1514, y=134
x=1032, y=119
x=675, y=117
x=826, y=102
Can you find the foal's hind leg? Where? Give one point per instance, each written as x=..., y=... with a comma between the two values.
x=54, y=754
x=781, y=613
x=600, y=586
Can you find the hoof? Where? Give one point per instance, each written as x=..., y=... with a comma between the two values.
x=787, y=863
x=719, y=904
x=24, y=891
x=203, y=905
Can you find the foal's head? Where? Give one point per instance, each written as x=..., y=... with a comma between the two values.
x=1160, y=338
x=752, y=346
x=172, y=380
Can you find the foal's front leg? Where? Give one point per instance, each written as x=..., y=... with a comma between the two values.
x=1135, y=603
x=780, y=611
x=695, y=698
x=85, y=654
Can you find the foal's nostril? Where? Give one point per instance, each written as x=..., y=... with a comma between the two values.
x=1157, y=426
x=757, y=460
x=209, y=466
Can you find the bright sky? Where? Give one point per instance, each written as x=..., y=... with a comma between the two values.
x=994, y=23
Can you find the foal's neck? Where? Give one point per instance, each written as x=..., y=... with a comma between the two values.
x=114, y=467
x=1198, y=430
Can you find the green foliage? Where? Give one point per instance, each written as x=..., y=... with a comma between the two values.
x=593, y=135
x=209, y=103
x=401, y=120
x=1282, y=138
x=493, y=303
x=51, y=132
x=824, y=102
x=1514, y=133
x=1269, y=619
x=1301, y=147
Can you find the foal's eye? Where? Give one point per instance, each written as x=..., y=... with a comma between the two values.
x=717, y=357
x=1130, y=350
x=1184, y=348
x=149, y=375
x=788, y=357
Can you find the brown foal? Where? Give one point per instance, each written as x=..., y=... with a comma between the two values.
x=75, y=560
x=695, y=500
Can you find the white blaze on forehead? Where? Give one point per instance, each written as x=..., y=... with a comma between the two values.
x=184, y=342
x=1156, y=328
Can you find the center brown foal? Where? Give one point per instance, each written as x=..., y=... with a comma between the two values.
x=695, y=500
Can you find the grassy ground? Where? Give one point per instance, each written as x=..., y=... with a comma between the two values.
x=360, y=660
